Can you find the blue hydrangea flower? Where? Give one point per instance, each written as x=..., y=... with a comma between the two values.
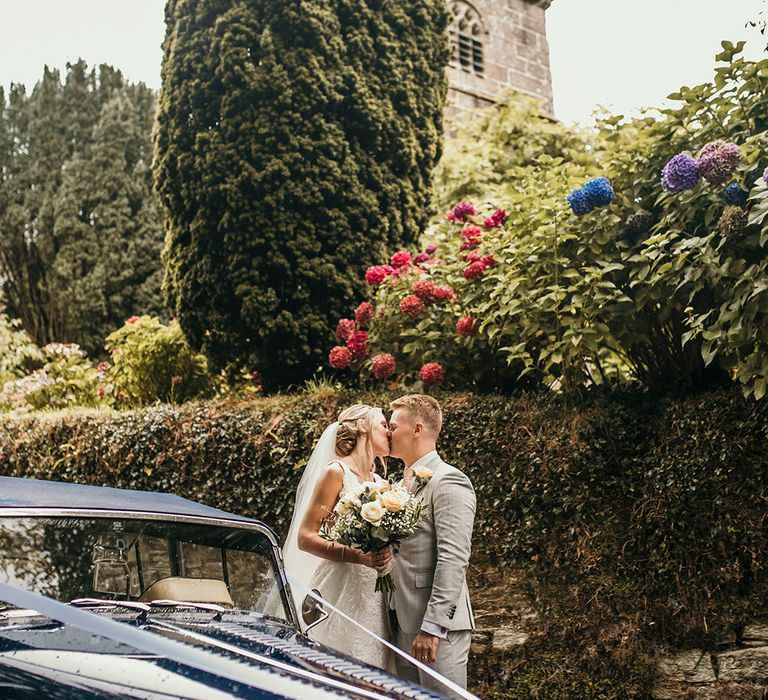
x=680, y=173
x=598, y=191
x=765, y=175
x=579, y=202
x=735, y=195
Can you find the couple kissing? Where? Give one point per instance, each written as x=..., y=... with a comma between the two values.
x=428, y=614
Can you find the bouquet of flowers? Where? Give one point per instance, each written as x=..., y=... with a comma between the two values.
x=380, y=515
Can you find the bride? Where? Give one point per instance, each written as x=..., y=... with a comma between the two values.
x=342, y=461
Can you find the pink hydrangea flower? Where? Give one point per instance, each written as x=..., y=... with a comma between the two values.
x=358, y=344
x=474, y=270
x=339, y=357
x=461, y=211
x=364, y=313
x=466, y=326
x=411, y=305
x=383, y=366
x=432, y=373
x=378, y=273
x=344, y=328
x=401, y=259
x=495, y=220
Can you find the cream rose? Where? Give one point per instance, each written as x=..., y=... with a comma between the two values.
x=373, y=512
x=423, y=473
x=394, y=500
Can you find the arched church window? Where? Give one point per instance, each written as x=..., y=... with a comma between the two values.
x=466, y=33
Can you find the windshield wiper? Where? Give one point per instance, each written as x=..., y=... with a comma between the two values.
x=103, y=603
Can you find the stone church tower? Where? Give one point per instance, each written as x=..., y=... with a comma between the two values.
x=497, y=44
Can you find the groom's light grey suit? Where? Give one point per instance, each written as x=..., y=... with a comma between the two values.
x=430, y=575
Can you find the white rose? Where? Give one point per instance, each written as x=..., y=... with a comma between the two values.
x=395, y=500
x=373, y=512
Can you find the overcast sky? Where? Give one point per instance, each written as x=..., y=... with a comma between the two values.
x=622, y=54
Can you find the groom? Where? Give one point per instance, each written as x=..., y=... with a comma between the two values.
x=431, y=613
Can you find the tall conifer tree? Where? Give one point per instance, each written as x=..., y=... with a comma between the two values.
x=69, y=151
x=294, y=146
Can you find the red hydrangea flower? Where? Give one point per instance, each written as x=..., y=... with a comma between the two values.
x=358, y=344
x=411, y=305
x=424, y=289
x=474, y=255
x=383, y=366
x=466, y=326
x=401, y=258
x=377, y=273
x=494, y=220
x=432, y=373
x=489, y=261
x=133, y=319
x=474, y=270
x=461, y=211
x=344, y=328
x=102, y=390
x=443, y=293
x=364, y=313
x=339, y=357
x=472, y=235
x=420, y=258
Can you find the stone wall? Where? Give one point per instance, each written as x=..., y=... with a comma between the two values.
x=497, y=44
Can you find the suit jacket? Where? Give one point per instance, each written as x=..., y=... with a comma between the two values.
x=430, y=568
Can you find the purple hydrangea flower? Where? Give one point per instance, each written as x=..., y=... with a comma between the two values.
x=735, y=195
x=461, y=211
x=680, y=173
x=420, y=258
x=765, y=175
x=430, y=249
x=717, y=161
x=579, y=202
x=598, y=191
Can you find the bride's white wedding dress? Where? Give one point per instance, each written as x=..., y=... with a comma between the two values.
x=350, y=588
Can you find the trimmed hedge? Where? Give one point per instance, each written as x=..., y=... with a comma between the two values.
x=632, y=523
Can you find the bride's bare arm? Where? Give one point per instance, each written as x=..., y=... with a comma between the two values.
x=324, y=499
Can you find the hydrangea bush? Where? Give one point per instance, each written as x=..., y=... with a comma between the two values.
x=628, y=258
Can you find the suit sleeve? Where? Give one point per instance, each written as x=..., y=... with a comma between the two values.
x=453, y=510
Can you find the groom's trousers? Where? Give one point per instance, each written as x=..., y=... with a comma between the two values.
x=452, y=657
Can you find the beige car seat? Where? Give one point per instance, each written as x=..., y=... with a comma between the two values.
x=189, y=590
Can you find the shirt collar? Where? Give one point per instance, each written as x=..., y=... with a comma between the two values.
x=424, y=459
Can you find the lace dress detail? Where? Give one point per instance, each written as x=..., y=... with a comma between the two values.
x=350, y=588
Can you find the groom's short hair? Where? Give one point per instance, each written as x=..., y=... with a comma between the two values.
x=422, y=408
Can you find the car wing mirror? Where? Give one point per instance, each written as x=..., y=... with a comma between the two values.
x=312, y=611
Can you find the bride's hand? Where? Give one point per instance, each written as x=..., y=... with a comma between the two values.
x=376, y=560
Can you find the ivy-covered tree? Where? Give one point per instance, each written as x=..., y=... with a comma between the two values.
x=294, y=146
x=74, y=165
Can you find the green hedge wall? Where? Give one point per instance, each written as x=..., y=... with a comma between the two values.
x=631, y=523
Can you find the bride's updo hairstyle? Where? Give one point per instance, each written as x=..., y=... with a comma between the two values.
x=356, y=422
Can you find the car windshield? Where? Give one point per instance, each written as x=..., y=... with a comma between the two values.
x=142, y=560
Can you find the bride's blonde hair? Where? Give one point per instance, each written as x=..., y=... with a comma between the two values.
x=356, y=422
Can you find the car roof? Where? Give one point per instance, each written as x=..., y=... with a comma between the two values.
x=35, y=493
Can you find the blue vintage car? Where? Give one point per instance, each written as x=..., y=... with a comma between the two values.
x=111, y=593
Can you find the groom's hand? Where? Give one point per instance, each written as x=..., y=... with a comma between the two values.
x=424, y=647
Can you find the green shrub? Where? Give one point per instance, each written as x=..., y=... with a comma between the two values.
x=629, y=523
x=670, y=289
x=17, y=351
x=67, y=378
x=151, y=363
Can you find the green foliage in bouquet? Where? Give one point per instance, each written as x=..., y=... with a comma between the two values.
x=151, y=363
x=294, y=142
